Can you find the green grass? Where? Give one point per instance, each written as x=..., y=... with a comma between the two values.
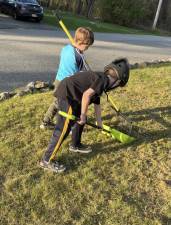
x=116, y=184
x=72, y=22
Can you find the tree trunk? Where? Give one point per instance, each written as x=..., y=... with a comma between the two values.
x=79, y=7
x=164, y=11
x=90, y=4
x=68, y=6
x=49, y=3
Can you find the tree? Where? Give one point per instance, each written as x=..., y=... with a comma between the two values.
x=89, y=4
x=49, y=3
x=164, y=10
x=79, y=7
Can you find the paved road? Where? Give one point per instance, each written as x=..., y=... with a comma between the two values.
x=30, y=51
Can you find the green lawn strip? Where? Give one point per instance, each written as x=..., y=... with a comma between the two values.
x=114, y=185
x=72, y=22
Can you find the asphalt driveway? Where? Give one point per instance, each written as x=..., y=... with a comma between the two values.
x=30, y=51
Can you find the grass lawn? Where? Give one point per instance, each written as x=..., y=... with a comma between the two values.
x=116, y=184
x=72, y=22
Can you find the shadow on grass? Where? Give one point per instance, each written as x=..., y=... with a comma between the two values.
x=74, y=161
x=146, y=136
x=157, y=115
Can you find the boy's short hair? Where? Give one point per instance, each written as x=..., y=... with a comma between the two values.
x=84, y=35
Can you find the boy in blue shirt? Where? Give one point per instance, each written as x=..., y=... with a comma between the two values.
x=71, y=61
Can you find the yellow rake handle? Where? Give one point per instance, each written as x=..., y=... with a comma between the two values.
x=66, y=31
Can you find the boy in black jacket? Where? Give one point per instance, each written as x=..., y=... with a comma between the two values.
x=75, y=94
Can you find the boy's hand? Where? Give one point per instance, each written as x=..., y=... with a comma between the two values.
x=82, y=120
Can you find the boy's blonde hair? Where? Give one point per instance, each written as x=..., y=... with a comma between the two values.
x=84, y=35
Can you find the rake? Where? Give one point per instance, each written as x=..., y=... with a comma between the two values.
x=115, y=134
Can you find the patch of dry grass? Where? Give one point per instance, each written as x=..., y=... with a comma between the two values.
x=116, y=184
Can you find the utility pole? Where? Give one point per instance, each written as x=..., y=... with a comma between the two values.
x=157, y=14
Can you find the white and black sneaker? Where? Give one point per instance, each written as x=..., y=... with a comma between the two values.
x=52, y=166
x=80, y=148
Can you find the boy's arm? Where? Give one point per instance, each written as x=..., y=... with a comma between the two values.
x=97, y=110
x=84, y=104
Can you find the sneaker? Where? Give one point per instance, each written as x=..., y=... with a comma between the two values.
x=81, y=148
x=47, y=125
x=52, y=166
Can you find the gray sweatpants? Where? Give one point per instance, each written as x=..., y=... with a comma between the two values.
x=53, y=108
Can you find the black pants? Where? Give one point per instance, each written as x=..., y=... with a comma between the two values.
x=63, y=127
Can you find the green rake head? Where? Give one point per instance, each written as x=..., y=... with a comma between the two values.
x=115, y=134
x=118, y=135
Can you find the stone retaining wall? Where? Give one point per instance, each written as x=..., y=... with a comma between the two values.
x=40, y=86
